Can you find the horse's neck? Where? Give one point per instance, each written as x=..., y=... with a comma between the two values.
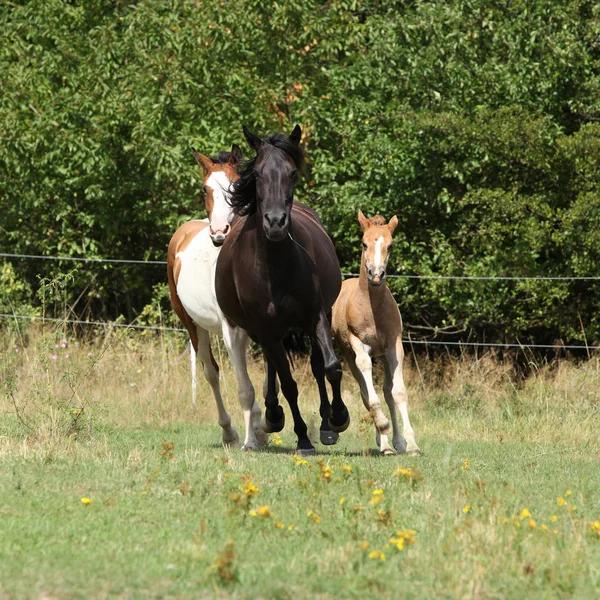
x=374, y=295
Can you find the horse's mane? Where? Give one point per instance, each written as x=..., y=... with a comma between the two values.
x=222, y=158
x=243, y=196
x=377, y=220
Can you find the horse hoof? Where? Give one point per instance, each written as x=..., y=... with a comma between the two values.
x=262, y=437
x=249, y=447
x=414, y=452
x=275, y=425
x=328, y=438
x=230, y=438
x=342, y=424
x=305, y=451
x=387, y=452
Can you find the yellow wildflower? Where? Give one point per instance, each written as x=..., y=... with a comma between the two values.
x=290, y=527
x=86, y=500
x=595, y=528
x=525, y=514
x=401, y=472
x=250, y=489
x=377, y=496
x=554, y=518
x=315, y=517
x=466, y=465
x=342, y=500
x=252, y=513
x=277, y=441
x=299, y=460
x=377, y=555
x=531, y=523
x=561, y=501
x=279, y=524
x=467, y=508
x=264, y=511
x=555, y=531
x=347, y=469
x=397, y=542
x=568, y=493
x=543, y=527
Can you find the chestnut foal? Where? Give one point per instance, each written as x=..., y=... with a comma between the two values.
x=367, y=323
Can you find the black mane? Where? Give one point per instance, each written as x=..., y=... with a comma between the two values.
x=243, y=196
x=221, y=159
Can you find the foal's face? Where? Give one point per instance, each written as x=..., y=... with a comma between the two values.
x=217, y=180
x=275, y=180
x=376, y=243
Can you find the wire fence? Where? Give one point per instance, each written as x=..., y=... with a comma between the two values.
x=462, y=344
x=397, y=276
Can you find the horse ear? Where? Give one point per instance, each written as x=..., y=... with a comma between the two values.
x=236, y=156
x=203, y=161
x=295, y=135
x=364, y=222
x=393, y=224
x=253, y=140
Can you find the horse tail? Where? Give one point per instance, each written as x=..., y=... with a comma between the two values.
x=298, y=343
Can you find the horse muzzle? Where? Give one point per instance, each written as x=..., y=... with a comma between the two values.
x=276, y=228
x=218, y=236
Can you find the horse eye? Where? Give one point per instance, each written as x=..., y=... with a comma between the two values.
x=364, y=246
x=204, y=190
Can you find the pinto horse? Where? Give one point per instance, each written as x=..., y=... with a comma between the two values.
x=278, y=271
x=192, y=255
x=367, y=323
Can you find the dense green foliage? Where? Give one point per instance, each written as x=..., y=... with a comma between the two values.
x=474, y=122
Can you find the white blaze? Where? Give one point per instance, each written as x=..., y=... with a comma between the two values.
x=221, y=215
x=377, y=259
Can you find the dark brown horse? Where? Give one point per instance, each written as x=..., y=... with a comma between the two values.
x=278, y=272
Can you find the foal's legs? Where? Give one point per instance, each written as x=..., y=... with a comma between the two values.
x=396, y=397
x=278, y=362
x=327, y=436
x=340, y=417
x=211, y=372
x=382, y=440
x=369, y=395
x=236, y=341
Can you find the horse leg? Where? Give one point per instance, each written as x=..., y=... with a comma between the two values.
x=382, y=440
x=327, y=436
x=274, y=415
x=193, y=369
x=211, y=373
x=236, y=342
x=340, y=417
x=278, y=361
x=397, y=438
x=370, y=398
x=395, y=357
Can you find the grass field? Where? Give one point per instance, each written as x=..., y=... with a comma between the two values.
x=113, y=485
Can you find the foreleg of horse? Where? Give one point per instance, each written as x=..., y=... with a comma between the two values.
x=327, y=436
x=274, y=415
x=278, y=360
x=382, y=440
x=340, y=417
x=370, y=399
x=395, y=357
x=236, y=341
x=211, y=373
x=193, y=369
x=397, y=438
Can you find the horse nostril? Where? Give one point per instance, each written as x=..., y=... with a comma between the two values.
x=226, y=228
x=282, y=220
x=267, y=219
x=383, y=273
x=370, y=272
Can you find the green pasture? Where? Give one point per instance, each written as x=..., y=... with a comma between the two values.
x=501, y=505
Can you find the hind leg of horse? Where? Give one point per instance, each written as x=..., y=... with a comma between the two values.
x=327, y=436
x=382, y=440
x=274, y=415
x=211, y=373
x=371, y=400
x=278, y=360
x=236, y=341
x=340, y=417
x=394, y=358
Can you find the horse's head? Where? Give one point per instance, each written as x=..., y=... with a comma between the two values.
x=274, y=169
x=219, y=173
x=376, y=242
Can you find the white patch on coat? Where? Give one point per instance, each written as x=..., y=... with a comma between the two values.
x=378, y=245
